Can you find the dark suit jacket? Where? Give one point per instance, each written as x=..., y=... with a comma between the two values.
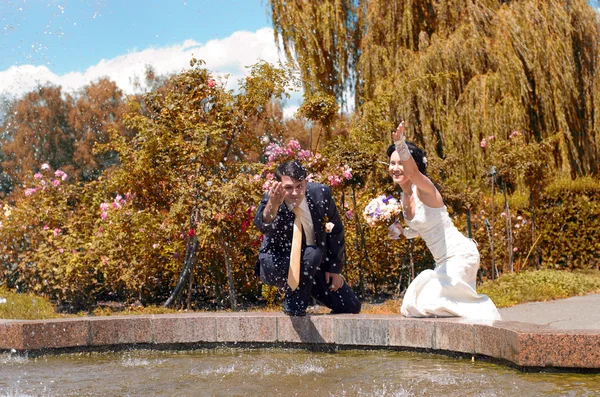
x=278, y=234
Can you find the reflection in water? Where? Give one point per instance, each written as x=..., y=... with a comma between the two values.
x=240, y=372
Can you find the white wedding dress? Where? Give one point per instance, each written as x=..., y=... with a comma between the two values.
x=449, y=289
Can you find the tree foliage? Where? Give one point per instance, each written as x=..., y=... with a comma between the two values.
x=459, y=71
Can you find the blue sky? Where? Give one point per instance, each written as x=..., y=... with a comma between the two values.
x=72, y=43
x=69, y=35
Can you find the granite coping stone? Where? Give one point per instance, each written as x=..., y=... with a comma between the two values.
x=519, y=344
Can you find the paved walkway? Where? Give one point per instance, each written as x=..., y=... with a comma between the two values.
x=579, y=312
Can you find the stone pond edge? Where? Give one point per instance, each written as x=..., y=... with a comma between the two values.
x=520, y=344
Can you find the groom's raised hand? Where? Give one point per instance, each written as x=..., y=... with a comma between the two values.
x=276, y=196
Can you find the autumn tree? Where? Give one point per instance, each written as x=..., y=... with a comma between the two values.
x=61, y=129
x=37, y=131
x=97, y=110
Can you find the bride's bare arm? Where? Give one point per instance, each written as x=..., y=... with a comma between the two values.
x=428, y=192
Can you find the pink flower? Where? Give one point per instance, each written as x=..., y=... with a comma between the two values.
x=513, y=134
x=211, y=83
x=503, y=214
x=104, y=206
x=347, y=172
x=45, y=166
x=104, y=215
x=61, y=250
x=256, y=177
x=304, y=154
x=37, y=175
x=56, y=232
x=349, y=214
x=46, y=227
x=30, y=191
x=491, y=138
x=56, y=182
x=294, y=144
x=74, y=251
x=483, y=143
x=334, y=180
x=515, y=249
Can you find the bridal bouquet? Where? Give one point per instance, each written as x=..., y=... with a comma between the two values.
x=382, y=210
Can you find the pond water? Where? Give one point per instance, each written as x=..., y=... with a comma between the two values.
x=244, y=372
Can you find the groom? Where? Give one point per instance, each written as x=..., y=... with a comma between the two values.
x=322, y=252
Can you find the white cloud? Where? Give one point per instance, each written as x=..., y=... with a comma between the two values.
x=230, y=55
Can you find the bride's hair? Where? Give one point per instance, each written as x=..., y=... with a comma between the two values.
x=416, y=153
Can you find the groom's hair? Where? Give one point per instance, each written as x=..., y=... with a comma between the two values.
x=417, y=154
x=293, y=169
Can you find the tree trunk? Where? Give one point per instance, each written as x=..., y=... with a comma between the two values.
x=226, y=255
x=509, y=241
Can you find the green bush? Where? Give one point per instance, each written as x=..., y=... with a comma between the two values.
x=570, y=224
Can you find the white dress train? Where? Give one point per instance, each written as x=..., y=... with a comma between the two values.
x=449, y=289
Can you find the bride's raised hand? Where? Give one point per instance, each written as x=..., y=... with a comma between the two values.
x=399, y=133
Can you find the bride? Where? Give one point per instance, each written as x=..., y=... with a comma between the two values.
x=449, y=289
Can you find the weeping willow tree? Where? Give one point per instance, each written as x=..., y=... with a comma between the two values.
x=458, y=71
x=323, y=38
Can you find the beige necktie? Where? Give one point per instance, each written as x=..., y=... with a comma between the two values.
x=294, y=272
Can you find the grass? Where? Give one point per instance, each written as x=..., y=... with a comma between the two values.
x=24, y=306
x=542, y=285
x=508, y=290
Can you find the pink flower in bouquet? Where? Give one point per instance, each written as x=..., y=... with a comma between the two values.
x=37, y=175
x=56, y=183
x=56, y=232
x=382, y=210
x=45, y=166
